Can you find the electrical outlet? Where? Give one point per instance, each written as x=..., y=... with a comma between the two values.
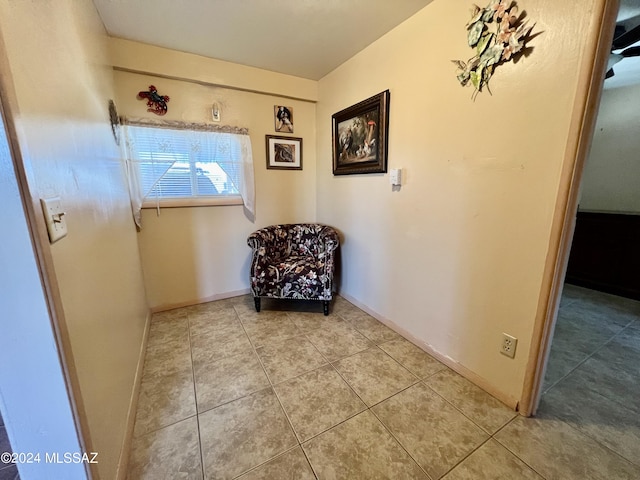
x=508, y=345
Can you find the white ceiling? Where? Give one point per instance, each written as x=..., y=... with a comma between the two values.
x=628, y=9
x=305, y=38
x=627, y=71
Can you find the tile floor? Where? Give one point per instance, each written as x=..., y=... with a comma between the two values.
x=7, y=472
x=289, y=394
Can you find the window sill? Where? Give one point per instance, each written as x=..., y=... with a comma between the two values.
x=194, y=202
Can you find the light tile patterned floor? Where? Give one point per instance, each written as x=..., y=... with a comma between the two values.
x=7, y=471
x=285, y=394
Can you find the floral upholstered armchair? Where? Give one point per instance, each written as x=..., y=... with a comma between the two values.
x=293, y=261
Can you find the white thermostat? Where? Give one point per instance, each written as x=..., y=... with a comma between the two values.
x=395, y=177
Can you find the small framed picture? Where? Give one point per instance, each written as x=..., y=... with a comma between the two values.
x=284, y=153
x=283, y=117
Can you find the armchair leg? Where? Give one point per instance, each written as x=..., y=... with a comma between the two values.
x=325, y=307
x=256, y=301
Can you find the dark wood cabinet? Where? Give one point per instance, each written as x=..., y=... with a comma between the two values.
x=605, y=253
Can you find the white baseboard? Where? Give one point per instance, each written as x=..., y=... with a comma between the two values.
x=125, y=451
x=197, y=301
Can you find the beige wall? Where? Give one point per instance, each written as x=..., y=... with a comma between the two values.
x=452, y=259
x=58, y=55
x=456, y=256
x=144, y=58
x=200, y=253
x=612, y=173
x=37, y=413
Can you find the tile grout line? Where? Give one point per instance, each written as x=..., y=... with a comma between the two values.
x=316, y=435
x=400, y=443
x=607, y=342
x=235, y=355
x=271, y=385
x=416, y=377
x=373, y=344
x=161, y=376
x=488, y=439
x=313, y=470
x=234, y=399
x=464, y=414
x=370, y=409
x=195, y=398
x=419, y=380
x=286, y=414
x=366, y=407
x=245, y=396
x=579, y=364
x=513, y=420
x=136, y=437
x=254, y=349
x=343, y=379
x=304, y=373
x=188, y=318
x=596, y=440
x=422, y=380
x=255, y=467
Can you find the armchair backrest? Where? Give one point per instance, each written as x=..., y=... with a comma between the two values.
x=281, y=241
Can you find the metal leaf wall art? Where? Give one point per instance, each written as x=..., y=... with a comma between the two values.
x=498, y=35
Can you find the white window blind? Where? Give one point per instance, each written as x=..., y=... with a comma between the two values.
x=178, y=163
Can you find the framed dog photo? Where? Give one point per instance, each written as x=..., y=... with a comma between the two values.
x=284, y=153
x=283, y=117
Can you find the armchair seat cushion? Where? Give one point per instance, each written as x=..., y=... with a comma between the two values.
x=296, y=277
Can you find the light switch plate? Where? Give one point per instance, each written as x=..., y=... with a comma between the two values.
x=54, y=217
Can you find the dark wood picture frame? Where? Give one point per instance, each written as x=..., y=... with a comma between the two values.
x=284, y=153
x=360, y=136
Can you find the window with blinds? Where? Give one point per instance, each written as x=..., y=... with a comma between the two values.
x=177, y=164
x=182, y=163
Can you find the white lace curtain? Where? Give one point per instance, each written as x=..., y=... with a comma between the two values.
x=152, y=148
